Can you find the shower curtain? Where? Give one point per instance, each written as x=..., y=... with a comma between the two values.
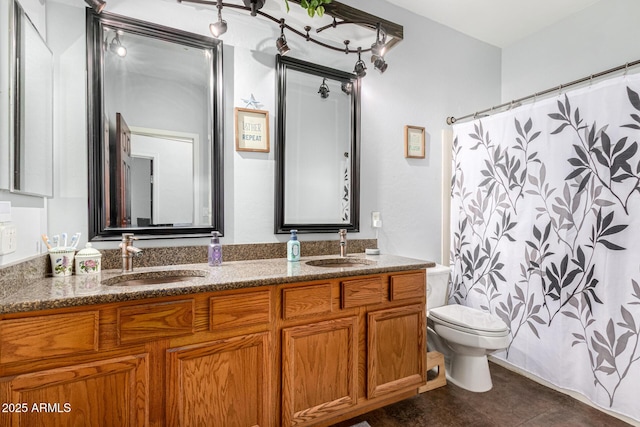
x=545, y=220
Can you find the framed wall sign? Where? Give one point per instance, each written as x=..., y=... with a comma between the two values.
x=414, y=142
x=252, y=130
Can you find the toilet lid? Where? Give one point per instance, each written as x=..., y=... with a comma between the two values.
x=469, y=318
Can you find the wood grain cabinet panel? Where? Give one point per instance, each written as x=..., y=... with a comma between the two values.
x=407, y=286
x=148, y=322
x=246, y=309
x=319, y=370
x=292, y=354
x=106, y=393
x=38, y=337
x=306, y=301
x=359, y=292
x=396, y=350
x=220, y=383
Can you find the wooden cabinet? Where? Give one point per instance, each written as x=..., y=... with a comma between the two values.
x=37, y=337
x=370, y=352
x=220, y=383
x=105, y=393
x=296, y=354
x=319, y=370
x=396, y=349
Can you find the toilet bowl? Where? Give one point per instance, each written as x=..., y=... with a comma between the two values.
x=465, y=335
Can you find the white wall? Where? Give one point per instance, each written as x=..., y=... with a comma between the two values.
x=433, y=73
x=595, y=39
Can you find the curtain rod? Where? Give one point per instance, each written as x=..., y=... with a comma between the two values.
x=451, y=120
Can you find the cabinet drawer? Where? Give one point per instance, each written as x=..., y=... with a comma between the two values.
x=232, y=311
x=406, y=286
x=148, y=322
x=359, y=292
x=41, y=337
x=305, y=301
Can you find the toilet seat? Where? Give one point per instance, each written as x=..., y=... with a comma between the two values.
x=469, y=320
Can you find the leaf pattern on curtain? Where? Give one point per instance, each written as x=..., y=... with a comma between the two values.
x=545, y=220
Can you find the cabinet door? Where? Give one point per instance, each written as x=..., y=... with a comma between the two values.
x=110, y=392
x=220, y=383
x=319, y=370
x=396, y=350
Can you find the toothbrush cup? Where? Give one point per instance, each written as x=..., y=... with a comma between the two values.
x=62, y=261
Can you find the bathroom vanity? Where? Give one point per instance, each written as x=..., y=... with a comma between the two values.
x=250, y=343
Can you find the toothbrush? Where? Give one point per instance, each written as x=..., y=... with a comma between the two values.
x=75, y=240
x=56, y=238
x=63, y=236
x=45, y=239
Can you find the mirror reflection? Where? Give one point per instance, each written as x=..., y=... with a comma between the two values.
x=160, y=144
x=317, y=148
x=33, y=103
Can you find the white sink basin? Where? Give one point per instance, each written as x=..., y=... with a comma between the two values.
x=154, y=277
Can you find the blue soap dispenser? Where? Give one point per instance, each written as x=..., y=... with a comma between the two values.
x=215, y=250
x=293, y=247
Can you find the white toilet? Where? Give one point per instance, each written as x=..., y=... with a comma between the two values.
x=464, y=335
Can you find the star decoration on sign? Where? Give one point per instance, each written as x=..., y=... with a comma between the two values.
x=252, y=102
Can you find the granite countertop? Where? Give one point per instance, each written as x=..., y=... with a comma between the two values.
x=71, y=291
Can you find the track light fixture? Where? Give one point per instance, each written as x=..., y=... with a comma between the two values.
x=116, y=46
x=281, y=43
x=96, y=5
x=324, y=89
x=360, y=68
x=377, y=49
x=254, y=5
x=380, y=64
x=220, y=27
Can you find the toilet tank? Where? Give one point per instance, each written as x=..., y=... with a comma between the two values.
x=437, y=286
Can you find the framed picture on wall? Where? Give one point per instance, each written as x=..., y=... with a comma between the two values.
x=252, y=130
x=413, y=142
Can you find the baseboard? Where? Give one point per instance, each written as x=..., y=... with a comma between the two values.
x=574, y=394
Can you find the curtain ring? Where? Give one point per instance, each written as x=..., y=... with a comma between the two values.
x=559, y=90
x=591, y=80
x=626, y=68
x=535, y=97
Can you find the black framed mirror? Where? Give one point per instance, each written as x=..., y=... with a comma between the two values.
x=317, y=148
x=155, y=130
x=32, y=87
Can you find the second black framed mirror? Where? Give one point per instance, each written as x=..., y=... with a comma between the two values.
x=317, y=148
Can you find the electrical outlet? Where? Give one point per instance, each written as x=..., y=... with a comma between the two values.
x=376, y=221
x=8, y=238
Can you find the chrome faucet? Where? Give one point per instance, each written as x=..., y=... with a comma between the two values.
x=343, y=242
x=128, y=251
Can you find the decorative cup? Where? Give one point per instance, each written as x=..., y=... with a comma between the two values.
x=88, y=261
x=62, y=262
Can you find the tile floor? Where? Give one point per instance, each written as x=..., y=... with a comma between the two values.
x=514, y=401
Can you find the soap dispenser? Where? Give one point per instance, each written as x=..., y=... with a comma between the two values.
x=293, y=247
x=215, y=250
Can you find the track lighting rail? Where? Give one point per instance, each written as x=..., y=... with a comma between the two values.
x=370, y=22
